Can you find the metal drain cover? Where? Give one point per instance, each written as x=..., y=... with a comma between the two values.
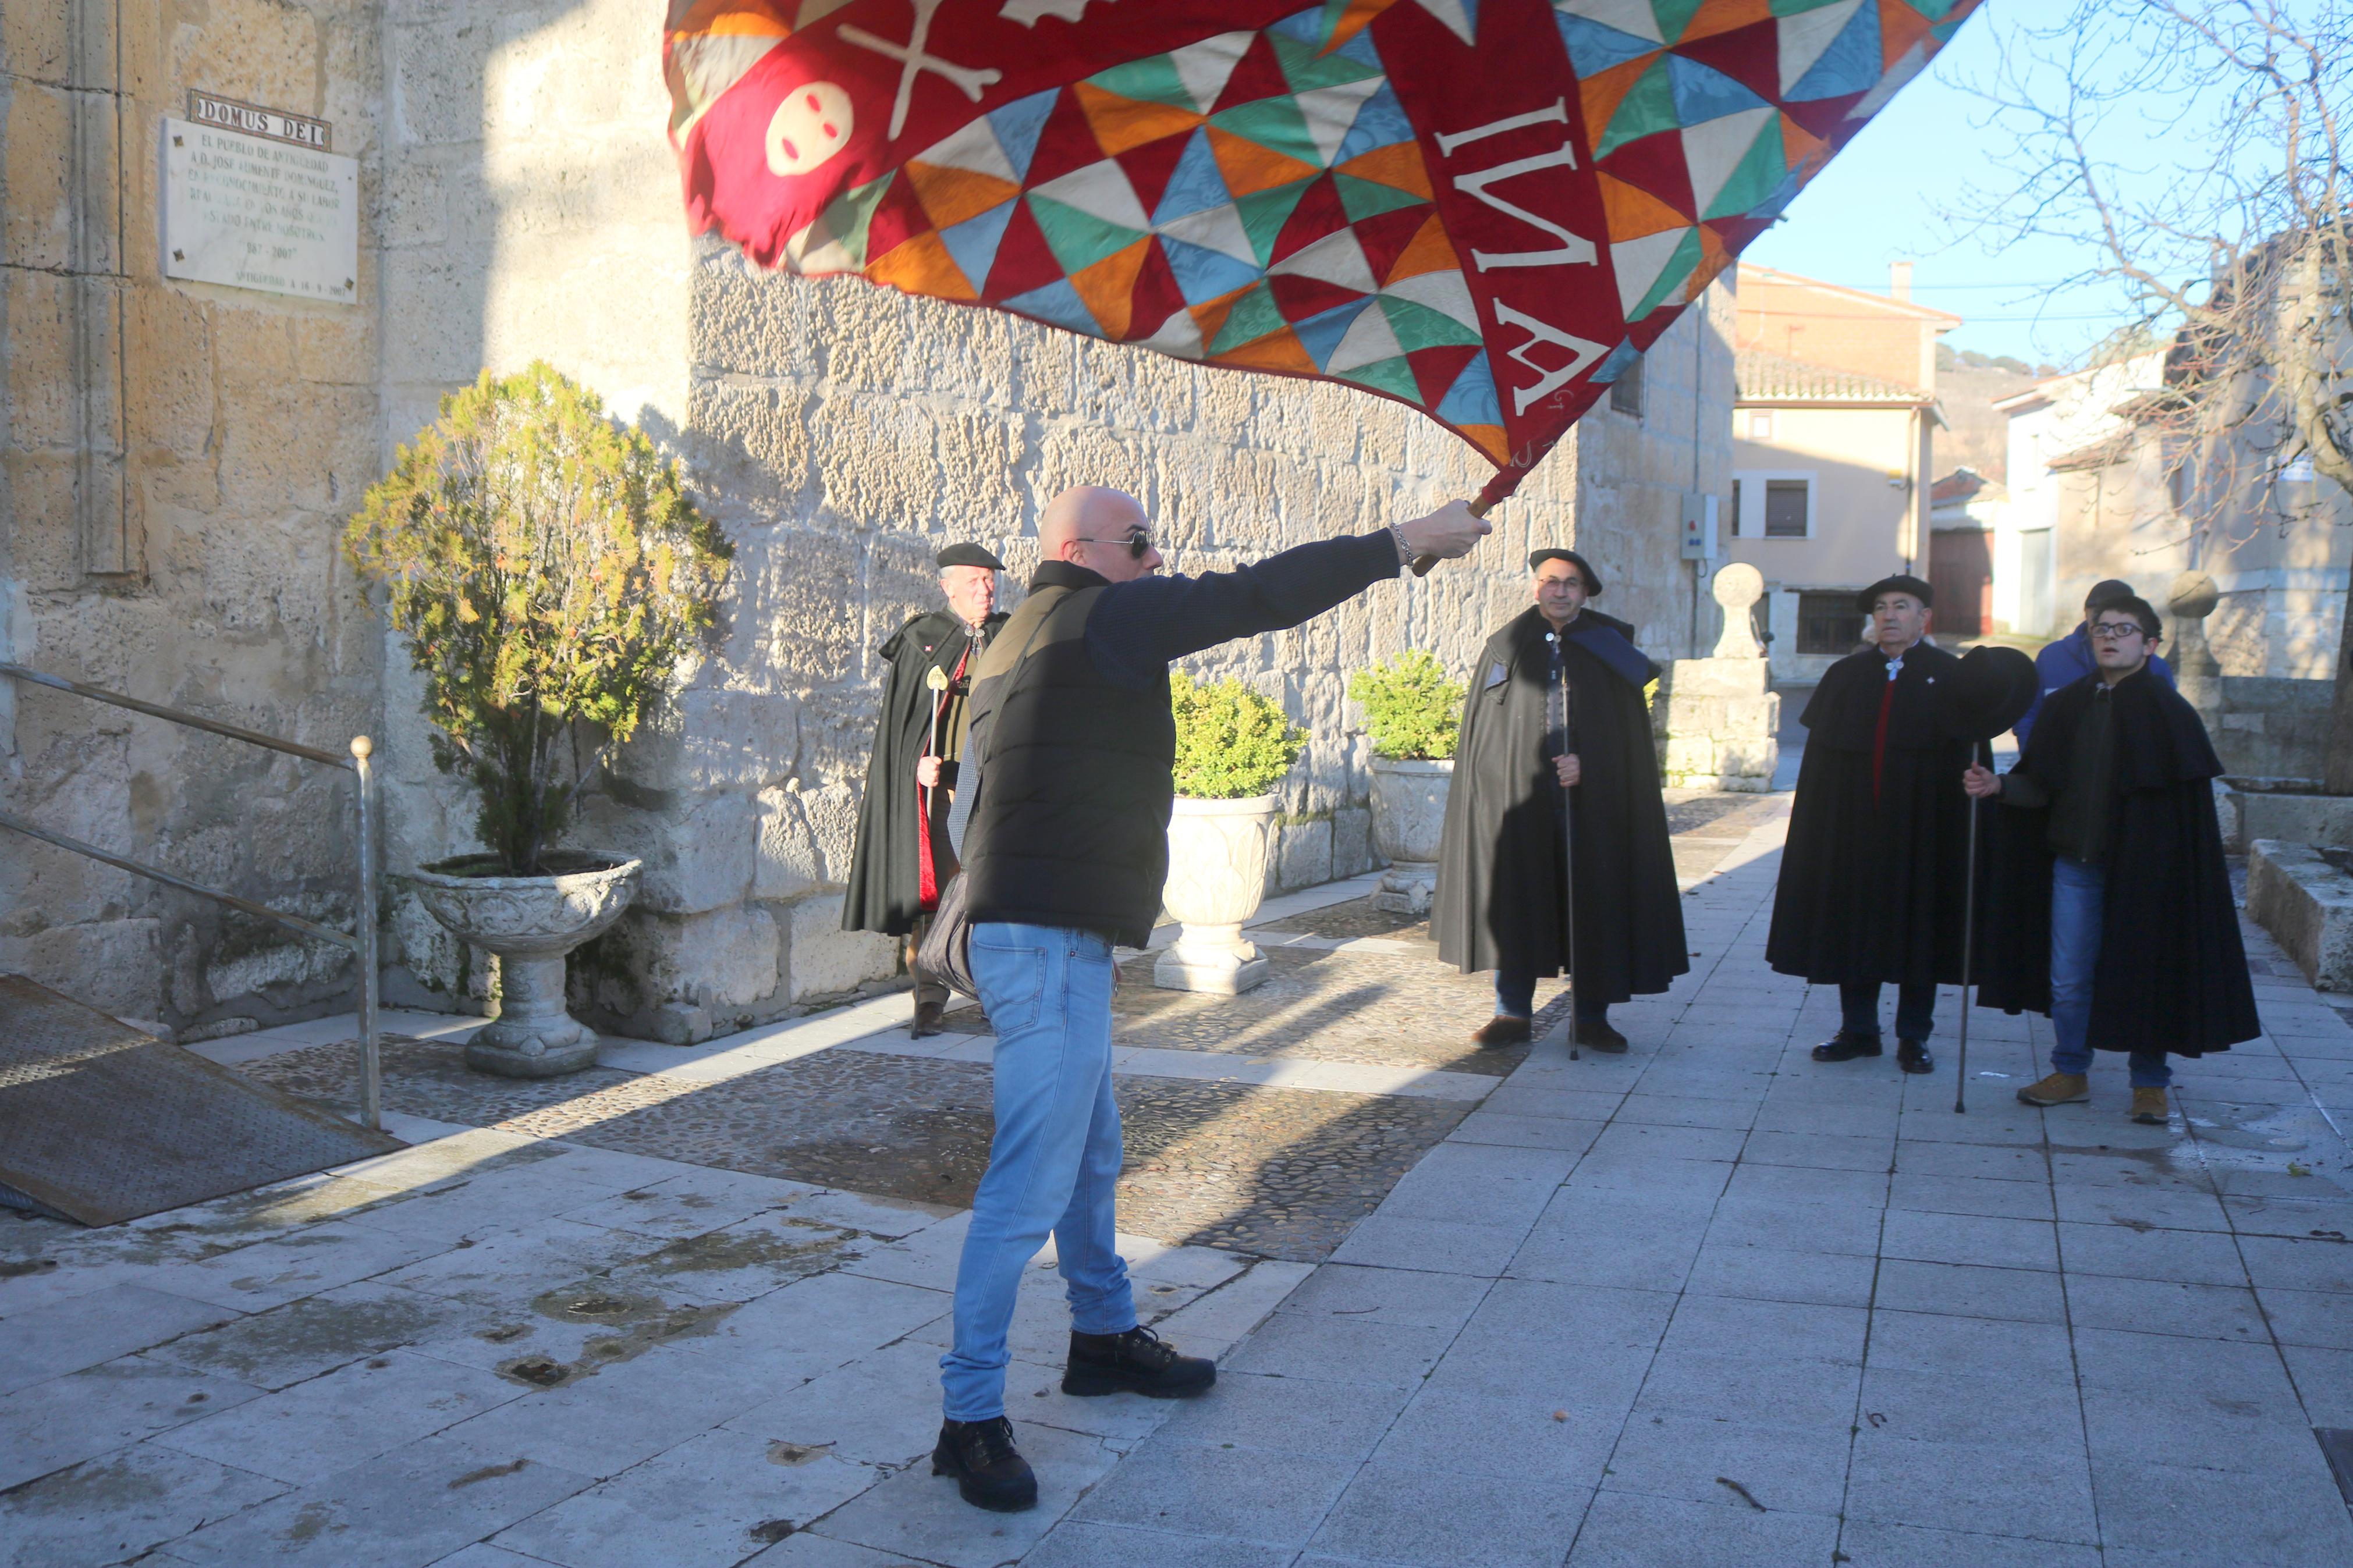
x=101, y=1123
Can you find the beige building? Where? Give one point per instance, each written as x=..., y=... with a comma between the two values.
x=182, y=455
x=1832, y=429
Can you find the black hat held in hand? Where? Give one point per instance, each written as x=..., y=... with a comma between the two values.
x=1989, y=692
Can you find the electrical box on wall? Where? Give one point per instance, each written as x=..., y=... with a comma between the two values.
x=1700, y=528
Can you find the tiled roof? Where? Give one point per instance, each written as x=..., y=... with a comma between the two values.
x=1762, y=377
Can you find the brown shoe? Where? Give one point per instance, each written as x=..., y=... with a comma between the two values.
x=2149, y=1108
x=930, y=1018
x=2059, y=1089
x=1503, y=1029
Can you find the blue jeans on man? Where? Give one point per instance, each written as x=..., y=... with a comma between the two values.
x=1055, y=1159
x=2079, y=890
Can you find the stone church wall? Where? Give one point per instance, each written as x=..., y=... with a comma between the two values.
x=521, y=203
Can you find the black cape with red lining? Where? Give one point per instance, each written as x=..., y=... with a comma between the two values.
x=1499, y=867
x=2172, y=972
x=885, y=893
x=1872, y=884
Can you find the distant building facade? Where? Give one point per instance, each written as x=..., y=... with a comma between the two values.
x=1833, y=446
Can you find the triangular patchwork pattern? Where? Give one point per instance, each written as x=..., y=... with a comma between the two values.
x=1260, y=198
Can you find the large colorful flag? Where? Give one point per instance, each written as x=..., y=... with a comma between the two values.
x=1483, y=208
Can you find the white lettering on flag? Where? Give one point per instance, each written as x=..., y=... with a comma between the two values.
x=1547, y=381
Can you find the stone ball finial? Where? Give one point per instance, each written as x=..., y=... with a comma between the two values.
x=2193, y=595
x=1739, y=586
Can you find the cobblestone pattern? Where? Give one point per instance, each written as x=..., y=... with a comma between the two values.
x=1354, y=919
x=1277, y=1173
x=1326, y=1006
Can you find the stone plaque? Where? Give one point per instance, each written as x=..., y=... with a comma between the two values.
x=260, y=212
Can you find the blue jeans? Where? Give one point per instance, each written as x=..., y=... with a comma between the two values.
x=1515, y=994
x=1055, y=1158
x=2079, y=893
x=1915, y=1010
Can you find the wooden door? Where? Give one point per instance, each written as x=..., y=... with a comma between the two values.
x=1960, y=570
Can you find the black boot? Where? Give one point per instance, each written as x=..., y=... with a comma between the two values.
x=1595, y=1033
x=1846, y=1046
x=1913, y=1056
x=990, y=1472
x=1139, y=1362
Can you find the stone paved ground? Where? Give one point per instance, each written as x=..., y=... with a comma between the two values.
x=1706, y=1303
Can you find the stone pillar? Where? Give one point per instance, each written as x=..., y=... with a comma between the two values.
x=1715, y=723
x=2192, y=599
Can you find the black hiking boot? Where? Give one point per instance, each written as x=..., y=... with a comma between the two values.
x=1846, y=1046
x=1138, y=1361
x=989, y=1471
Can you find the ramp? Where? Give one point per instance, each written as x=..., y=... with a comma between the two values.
x=101, y=1123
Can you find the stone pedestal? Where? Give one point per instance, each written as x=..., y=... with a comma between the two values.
x=2196, y=673
x=1408, y=826
x=1715, y=723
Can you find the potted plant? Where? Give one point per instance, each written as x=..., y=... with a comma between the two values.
x=1232, y=747
x=1412, y=711
x=548, y=572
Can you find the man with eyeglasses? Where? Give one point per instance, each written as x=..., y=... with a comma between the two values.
x=2112, y=909
x=1555, y=755
x=1064, y=855
x=2068, y=659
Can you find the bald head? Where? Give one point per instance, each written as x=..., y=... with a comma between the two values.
x=1090, y=526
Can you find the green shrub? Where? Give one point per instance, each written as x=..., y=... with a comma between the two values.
x=1232, y=743
x=549, y=572
x=1412, y=709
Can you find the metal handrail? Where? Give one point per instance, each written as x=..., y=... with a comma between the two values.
x=361, y=940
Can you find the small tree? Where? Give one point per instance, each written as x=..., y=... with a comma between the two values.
x=1412, y=709
x=1232, y=743
x=549, y=570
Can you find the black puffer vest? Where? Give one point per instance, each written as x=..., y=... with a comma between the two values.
x=1071, y=825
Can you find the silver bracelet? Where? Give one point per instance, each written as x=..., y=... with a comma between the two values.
x=1405, y=551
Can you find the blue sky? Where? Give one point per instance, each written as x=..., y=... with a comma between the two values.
x=1880, y=200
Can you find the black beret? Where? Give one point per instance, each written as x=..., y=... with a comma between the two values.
x=1585, y=568
x=967, y=555
x=1901, y=583
x=2108, y=591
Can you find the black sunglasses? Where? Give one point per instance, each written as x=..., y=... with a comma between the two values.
x=1137, y=543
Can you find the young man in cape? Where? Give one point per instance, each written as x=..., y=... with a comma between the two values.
x=2063, y=663
x=1523, y=780
x=902, y=857
x=2111, y=907
x=1872, y=880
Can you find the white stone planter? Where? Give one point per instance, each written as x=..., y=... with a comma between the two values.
x=1217, y=852
x=1409, y=825
x=531, y=922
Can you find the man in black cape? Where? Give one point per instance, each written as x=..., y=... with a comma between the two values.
x=2111, y=907
x=895, y=872
x=1519, y=781
x=1872, y=880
